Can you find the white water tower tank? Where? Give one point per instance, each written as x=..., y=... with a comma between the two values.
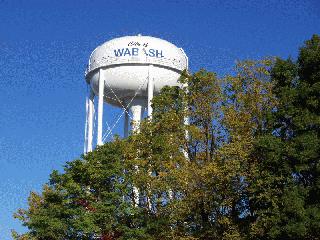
x=126, y=72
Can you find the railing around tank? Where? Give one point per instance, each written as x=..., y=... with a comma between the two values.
x=163, y=61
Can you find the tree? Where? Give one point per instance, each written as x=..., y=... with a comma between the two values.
x=288, y=152
x=191, y=178
x=86, y=201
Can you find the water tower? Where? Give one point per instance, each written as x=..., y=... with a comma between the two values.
x=127, y=72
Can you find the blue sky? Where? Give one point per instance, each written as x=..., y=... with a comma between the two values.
x=45, y=45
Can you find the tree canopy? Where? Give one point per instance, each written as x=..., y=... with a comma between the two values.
x=244, y=166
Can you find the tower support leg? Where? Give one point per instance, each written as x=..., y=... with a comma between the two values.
x=90, y=121
x=150, y=90
x=126, y=123
x=100, y=106
x=137, y=112
x=86, y=127
x=186, y=122
x=136, y=117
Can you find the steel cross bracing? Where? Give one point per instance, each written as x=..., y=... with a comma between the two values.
x=136, y=106
x=125, y=109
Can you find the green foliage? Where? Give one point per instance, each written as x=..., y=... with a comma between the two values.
x=244, y=166
x=85, y=201
x=288, y=151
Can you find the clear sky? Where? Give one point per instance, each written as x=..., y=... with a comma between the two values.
x=45, y=45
